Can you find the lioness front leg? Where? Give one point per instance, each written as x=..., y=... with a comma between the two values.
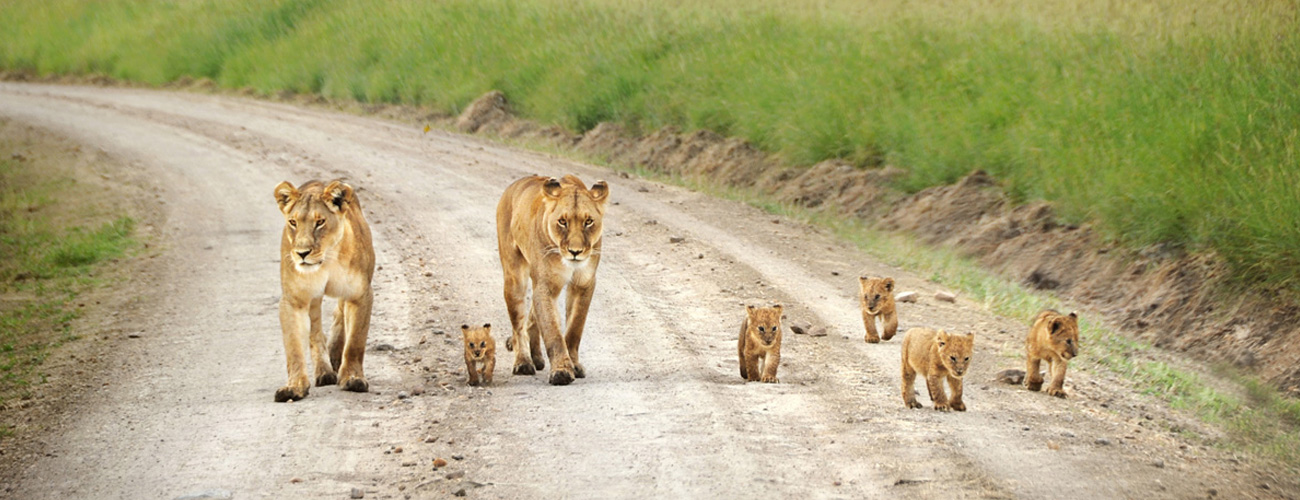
x=316, y=341
x=516, y=290
x=934, y=384
x=577, y=301
x=548, y=323
x=356, y=318
x=294, y=324
x=1057, y=387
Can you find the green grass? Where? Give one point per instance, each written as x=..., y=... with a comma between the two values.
x=46, y=266
x=1166, y=121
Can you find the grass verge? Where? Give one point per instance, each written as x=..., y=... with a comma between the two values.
x=1168, y=121
x=48, y=264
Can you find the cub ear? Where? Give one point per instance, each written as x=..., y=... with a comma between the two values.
x=1057, y=324
x=336, y=196
x=777, y=307
x=1074, y=315
x=599, y=192
x=285, y=195
x=487, y=325
x=464, y=327
x=889, y=285
x=551, y=188
x=864, y=279
x=943, y=338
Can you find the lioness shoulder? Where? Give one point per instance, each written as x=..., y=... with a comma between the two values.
x=939, y=357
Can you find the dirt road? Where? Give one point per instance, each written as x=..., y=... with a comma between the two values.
x=662, y=413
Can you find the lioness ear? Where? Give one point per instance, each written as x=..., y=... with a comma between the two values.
x=599, y=192
x=336, y=195
x=551, y=188
x=285, y=195
x=889, y=284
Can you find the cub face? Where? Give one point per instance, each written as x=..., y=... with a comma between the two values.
x=955, y=351
x=763, y=323
x=478, y=341
x=574, y=217
x=1063, y=335
x=313, y=225
x=876, y=293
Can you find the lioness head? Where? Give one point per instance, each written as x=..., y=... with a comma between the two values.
x=313, y=217
x=764, y=323
x=876, y=293
x=1063, y=333
x=954, y=351
x=574, y=215
x=477, y=340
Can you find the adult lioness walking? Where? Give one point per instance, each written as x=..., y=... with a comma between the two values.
x=325, y=250
x=548, y=234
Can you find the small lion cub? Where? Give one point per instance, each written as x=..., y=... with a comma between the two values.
x=760, y=342
x=937, y=356
x=1054, y=337
x=480, y=353
x=877, y=299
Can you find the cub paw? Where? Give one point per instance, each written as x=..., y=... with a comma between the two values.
x=1034, y=386
x=942, y=407
x=957, y=405
x=355, y=384
x=525, y=369
x=1052, y=391
x=579, y=371
x=912, y=404
x=561, y=377
x=510, y=344
x=290, y=394
x=871, y=340
x=767, y=379
x=325, y=379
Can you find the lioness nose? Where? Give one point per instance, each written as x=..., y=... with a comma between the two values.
x=575, y=252
x=303, y=253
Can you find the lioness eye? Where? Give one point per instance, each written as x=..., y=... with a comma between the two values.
x=589, y=222
x=563, y=223
x=320, y=223
x=293, y=223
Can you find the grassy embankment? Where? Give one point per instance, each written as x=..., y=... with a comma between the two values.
x=49, y=261
x=1164, y=122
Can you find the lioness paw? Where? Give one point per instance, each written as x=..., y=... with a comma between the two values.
x=579, y=371
x=561, y=377
x=913, y=404
x=355, y=384
x=290, y=394
x=525, y=369
x=958, y=405
x=325, y=379
x=1052, y=391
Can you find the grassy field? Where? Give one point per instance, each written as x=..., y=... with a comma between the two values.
x=47, y=264
x=1165, y=121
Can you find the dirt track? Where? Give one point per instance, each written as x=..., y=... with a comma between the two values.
x=662, y=412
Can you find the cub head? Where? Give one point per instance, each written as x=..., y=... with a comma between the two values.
x=1063, y=334
x=764, y=323
x=574, y=216
x=954, y=351
x=876, y=293
x=478, y=341
x=314, y=215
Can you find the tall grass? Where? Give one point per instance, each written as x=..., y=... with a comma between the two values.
x=1163, y=121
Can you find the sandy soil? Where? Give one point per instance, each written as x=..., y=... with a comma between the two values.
x=186, y=409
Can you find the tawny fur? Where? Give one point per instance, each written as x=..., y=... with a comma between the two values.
x=939, y=357
x=480, y=353
x=325, y=251
x=549, y=239
x=877, y=300
x=759, y=346
x=1053, y=337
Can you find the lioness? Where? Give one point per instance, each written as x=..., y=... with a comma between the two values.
x=877, y=300
x=325, y=250
x=548, y=235
x=938, y=357
x=1053, y=337
x=759, y=346
x=480, y=353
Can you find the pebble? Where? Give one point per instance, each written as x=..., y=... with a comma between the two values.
x=906, y=297
x=800, y=327
x=944, y=296
x=456, y=475
x=397, y=449
x=358, y=493
x=458, y=457
x=817, y=331
x=439, y=463
x=1102, y=441
x=1010, y=376
x=208, y=495
x=430, y=439
x=460, y=492
x=403, y=395
x=295, y=480
x=417, y=391
x=1067, y=434
x=641, y=189
x=676, y=239
x=408, y=463
x=1160, y=464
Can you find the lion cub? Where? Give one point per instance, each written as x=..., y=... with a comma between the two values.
x=937, y=356
x=480, y=353
x=1054, y=337
x=877, y=299
x=760, y=342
